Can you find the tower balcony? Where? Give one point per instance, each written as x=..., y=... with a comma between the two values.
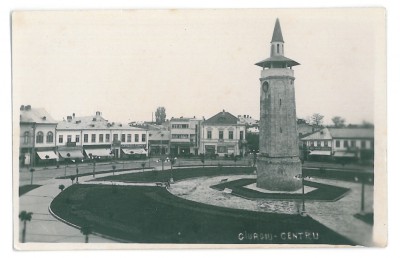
x=277, y=72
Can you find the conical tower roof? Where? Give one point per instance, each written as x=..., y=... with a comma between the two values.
x=277, y=35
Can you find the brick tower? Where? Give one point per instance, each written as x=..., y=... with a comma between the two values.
x=278, y=162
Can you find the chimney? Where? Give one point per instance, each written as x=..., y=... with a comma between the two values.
x=73, y=115
x=98, y=113
x=69, y=118
x=22, y=107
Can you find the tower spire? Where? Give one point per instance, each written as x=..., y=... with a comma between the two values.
x=277, y=35
x=277, y=57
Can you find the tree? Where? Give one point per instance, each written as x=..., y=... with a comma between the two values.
x=86, y=231
x=61, y=187
x=338, y=121
x=366, y=124
x=160, y=115
x=24, y=216
x=317, y=119
x=47, y=158
x=113, y=168
x=72, y=179
x=253, y=141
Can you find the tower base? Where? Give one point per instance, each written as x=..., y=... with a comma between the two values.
x=278, y=174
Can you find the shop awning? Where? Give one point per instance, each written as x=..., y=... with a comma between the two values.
x=134, y=151
x=73, y=154
x=320, y=153
x=341, y=154
x=50, y=154
x=98, y=152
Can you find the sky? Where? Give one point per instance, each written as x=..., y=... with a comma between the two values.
x=194, y=62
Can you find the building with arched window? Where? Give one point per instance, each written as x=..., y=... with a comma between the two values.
x=39, y=137
x=49, y=137
x=37, y=130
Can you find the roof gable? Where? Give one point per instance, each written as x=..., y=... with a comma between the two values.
x=222, y=118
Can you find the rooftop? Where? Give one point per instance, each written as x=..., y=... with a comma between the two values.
x=222, y=118
x=35, y=115
x=277, y=60
x=91, y=122
x=352, y=132
x=341, y=133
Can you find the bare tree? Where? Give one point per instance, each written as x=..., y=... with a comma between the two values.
x=338, y=121
x=317, y=119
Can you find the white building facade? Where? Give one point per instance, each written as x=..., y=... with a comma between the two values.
x=222, y=135
x=37, y=137
x=95, y=137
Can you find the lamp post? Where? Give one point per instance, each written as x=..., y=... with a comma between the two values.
x=362, y=192
x=77, y=171
x=254, y=158
x=161, y=154
x=303, y=209
x=94, y=166
x=32, y=170
x=149, y=160
x=66, y=164
x=32, y=161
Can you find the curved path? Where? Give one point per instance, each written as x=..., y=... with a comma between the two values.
x=337, y=216
x=44, y=228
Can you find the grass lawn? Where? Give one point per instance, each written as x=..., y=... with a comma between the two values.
x=145, y=214
x=27, y=188
x=338, y=174
x=323, y=192
x=178, y=174
x=100, y=172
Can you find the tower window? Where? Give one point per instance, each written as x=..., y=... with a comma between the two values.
x=278, y=49
x=265, y=86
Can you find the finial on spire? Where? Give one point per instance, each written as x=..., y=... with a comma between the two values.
x=277, y=35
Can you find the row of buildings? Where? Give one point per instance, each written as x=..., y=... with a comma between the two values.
x=339, y=144
x=93, y=137
x=43, y=139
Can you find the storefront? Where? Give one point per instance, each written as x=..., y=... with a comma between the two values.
x=133, y=151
